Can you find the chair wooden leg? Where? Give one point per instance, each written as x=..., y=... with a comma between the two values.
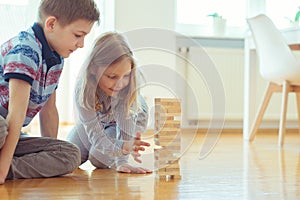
x=298, y=108
x=259, y=116
x=282, y=124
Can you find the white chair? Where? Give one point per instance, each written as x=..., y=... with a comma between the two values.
x=277, y=65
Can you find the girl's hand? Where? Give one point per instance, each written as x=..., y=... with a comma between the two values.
x=126, y=168
x=133, y=147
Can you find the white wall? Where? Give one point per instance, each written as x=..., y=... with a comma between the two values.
x=149, y=26
x=132, y=14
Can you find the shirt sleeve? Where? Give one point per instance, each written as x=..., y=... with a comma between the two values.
x=21, y=60
x=133, y=122
x=136, y=122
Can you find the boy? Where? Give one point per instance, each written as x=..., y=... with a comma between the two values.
x=30, y=67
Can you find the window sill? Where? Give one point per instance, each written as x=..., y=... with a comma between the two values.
x=191, y=30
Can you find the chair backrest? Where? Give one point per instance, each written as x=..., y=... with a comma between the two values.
x=277, y=63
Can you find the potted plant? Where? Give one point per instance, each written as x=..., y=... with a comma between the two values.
x=219, y=24
x=297, y=16
x=295, y=21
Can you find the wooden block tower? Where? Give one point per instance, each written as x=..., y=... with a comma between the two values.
x=167, y=137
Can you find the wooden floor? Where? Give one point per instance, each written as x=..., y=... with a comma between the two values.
x=233, y=170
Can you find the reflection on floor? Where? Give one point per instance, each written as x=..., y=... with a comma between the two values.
x=234, y=169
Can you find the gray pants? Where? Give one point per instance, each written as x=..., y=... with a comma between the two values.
x=37, y=157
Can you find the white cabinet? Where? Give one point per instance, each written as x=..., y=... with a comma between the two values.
x=229, y=62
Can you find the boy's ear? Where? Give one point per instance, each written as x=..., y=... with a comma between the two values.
x=50, y=23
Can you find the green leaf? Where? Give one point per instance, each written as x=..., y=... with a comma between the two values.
x=297, y=16
x=214, y=15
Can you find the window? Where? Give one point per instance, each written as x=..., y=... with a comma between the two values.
x=16, y=15
x=194, y=14
x=282, y=12
x=196, y=11
x=14, y=2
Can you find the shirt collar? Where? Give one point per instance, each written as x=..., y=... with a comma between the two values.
x=51, y=57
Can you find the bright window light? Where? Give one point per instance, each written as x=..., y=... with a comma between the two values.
x=196, y=11
x=14, y=2
x=282, y=12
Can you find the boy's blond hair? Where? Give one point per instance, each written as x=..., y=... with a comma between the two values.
x=68, y=11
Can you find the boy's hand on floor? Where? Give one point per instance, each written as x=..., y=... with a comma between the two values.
x=2, y=178
x=126, y=168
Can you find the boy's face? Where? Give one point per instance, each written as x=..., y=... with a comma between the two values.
x=66, y=39
x=116, y=77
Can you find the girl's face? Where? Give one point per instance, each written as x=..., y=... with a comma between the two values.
x=116, y=77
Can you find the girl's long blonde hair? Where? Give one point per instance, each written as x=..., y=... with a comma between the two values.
x=109, y=48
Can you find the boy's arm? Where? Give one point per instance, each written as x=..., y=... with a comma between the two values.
x=49, y=118
x=18, y=101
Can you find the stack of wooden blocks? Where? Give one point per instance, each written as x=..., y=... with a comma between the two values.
x=167, y=137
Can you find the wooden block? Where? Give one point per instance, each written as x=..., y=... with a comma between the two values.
x=168, y=144
x=162, y=153
x=163, y=173
x=169, y=130
x=167, y=124
x=173, y=109
x=165, y=170
x=166, y=157
x=161, y=170
x=168, y=135
x=166, y=100
x=176, y=105
x=174, y=177
x=167, y=138
x=165, y=115
x=167, y=177
x=173, y=161
x=170, y=106
x=176, y=150
x=166, y=141
x=172, y=167
x=165, y=160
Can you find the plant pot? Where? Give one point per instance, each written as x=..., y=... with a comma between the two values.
x=219, y=26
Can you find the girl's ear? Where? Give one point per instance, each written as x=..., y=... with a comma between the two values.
x=50, y=23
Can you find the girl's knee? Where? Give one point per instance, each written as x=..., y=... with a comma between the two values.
x=100, y=163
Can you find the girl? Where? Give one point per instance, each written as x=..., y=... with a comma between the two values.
x=110, y=113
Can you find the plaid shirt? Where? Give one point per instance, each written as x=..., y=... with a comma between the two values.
x=28, y=57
